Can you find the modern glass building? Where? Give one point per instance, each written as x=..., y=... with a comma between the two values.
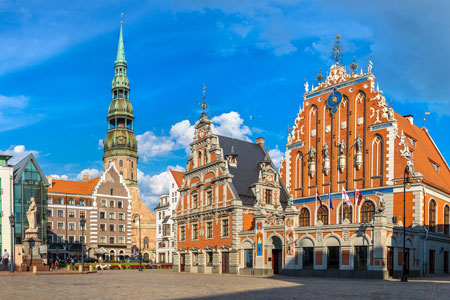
x=29, y=181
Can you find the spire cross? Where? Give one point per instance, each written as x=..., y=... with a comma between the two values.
x=204, y=105
x=121, y=18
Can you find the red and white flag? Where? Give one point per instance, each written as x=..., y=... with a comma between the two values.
x=358, y=196
x=318, y=199
x=345, y=197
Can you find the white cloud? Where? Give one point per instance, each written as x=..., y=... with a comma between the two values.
x=151, y=187
x=231, y=125
x=60, y=177
x=18, y=153
x=182, y=132
x=276, y=156
x=92, y=173
x=12, y=112
x=151, y=145
x=100, y=145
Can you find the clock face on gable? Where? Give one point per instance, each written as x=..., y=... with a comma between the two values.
x=121, y=140
x=201, y=133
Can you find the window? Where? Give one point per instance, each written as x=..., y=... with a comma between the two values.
x=61, y=239
x=71, y=201
x=111, y=192
x=333, y=257
x=194, y=201
x=209, y=258
x=60, y=213
x=71, y=239
x=112, y=216
x=102, y=215
x=121, y=163
x=60, y=226
x=412, y=141
x=166, y=229
x=322, y=215
x=209, y=230
x=71, y=214
x=209, y=196
x=159, y=215
x=146, y=243
x=224, y=228
x=50, y=225
x=199, y=158
x=303, y=218
x=345, y=212
x=82, y=202
x=121, y=216
x=308, y=257
x=121, y=228
x=102, y=227
x=119, y=204
x=121, y=240
x=111, y=203
x=159, y=229
x=377, y=156
x=269, y=196
x=50, y=200
x=446, y=219
x=195, y=259
x=112, y=240
x=102, y=240
x=60, y=201
x=182, y=233
x=103, y=204
x=50, y=212
x=72, y=226
x=195, y=231
x=432, y=216
x=164, y=214
x=112, y=227
x=249, y=258
x=360, y=258
x=367, y=212
x=82, y=214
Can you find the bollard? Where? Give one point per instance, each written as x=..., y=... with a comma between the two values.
x=68, y=267
x=91, y=268
x=34, y=269
x=80, y=268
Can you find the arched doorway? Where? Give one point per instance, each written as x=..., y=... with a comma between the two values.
x=121, y=256
x=112, y=255
x=277, y=251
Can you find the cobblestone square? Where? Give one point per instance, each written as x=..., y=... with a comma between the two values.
x=164, y=284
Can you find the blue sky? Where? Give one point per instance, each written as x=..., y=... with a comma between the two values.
x=57, y=63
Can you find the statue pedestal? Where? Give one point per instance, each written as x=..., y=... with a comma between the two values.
x=31, y=246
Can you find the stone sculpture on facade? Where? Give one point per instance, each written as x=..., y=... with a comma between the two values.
x=31, y=215
x=312, y=162
x=341, y=151
x=326, y=159
x=358, y=150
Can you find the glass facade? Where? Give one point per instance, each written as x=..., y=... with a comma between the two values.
x=30, y=184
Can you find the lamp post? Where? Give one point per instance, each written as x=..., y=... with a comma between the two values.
x=12, y=221
x=136, y=215
x=82, y=224
x=406, y=185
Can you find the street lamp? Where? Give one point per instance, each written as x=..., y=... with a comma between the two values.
x=12, y=221
x=136, y=215
x=406, y=185
x=82, y=224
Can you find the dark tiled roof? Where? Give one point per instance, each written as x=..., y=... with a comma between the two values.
x=247, y=170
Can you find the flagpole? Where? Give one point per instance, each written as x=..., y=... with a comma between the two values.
x=341, y=216
x=316, y=212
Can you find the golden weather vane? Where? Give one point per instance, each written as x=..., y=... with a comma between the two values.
x=121, y=18
x=424, y=117
x=204, y=105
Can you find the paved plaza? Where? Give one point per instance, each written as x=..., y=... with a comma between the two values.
x=164, y=284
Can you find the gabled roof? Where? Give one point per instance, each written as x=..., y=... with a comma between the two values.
x=19, y=167
x=73, y=187
x=178, y=176
x=425, y=152
x=246, y=173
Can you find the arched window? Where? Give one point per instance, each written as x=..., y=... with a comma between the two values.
x=132, y=176
x=345, y=212
x=303, y=218
x=121, y=163
x=298, y=171
x=322, y=215
x=432, y=216
x=446, y=219
x=377, y=156
x=367, y=212
x=146, y=244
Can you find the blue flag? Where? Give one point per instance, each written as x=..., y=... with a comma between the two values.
x=329, y=200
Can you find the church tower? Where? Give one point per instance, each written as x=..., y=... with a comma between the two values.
x=120, y=145
x=120, y=148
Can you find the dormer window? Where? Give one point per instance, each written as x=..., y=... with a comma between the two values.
x=269, y=196
x=411, y=141
x=435, y=166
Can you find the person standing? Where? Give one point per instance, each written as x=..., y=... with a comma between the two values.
x=5, y=260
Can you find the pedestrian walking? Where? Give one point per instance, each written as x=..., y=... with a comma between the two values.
x=5, y=260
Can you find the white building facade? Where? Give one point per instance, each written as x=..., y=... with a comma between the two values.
x=165, y=227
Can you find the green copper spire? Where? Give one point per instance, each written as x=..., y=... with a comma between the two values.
x=120, y=139
x=120, y=48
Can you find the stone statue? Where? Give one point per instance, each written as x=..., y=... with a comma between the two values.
x=326, y=159
x=341, y=147
x=312, y=162
x=358, y=144
x=358, y=149
x=31, y=214
x=381, y=204
x=325, y=151
x=306, y=87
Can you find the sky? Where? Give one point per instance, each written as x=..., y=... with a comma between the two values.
x=57, y=59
